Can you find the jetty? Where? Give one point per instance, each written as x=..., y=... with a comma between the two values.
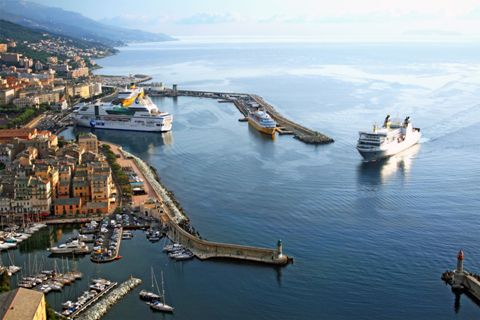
x=99, y=309
x=246, y=102
x=174, y=219
x=463, y=281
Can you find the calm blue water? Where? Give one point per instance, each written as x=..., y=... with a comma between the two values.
x=369, y=240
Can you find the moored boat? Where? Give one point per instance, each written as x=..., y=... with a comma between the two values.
x=261, y=120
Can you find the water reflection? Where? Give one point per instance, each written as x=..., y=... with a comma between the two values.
x=135, y=139
x=380, y=172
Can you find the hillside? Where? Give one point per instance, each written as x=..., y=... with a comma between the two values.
x=37, y=16
x=20, y=34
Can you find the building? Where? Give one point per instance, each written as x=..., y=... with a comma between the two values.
x=22, y=304
x=8, y=135
x=6, y=96
x=28, y=101
x=10, y=57
x=67, y=206
x=88, y=142
x=77, y=73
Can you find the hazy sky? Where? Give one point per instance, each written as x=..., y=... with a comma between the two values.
x=383, y=20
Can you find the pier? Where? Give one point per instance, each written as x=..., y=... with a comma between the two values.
x=92, y=301
x=463, y=281
x=245, y=102
x=174, y=218
x=99, y=309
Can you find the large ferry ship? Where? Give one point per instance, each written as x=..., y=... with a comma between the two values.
x=392, y=138
x=131, y=110
x=262, y=121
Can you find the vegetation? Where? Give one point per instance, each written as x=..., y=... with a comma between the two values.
x=4, y=282
x=120, y=176
x=19, y=117
x=20, y=34
x=51, y=315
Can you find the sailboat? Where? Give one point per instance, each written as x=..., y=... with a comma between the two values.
x=149, y=295
x=160, y=304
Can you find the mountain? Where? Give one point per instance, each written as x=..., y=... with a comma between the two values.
x=68, y=23
x=28, y=40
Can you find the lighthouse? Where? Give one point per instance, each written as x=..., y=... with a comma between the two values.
x=280, y=249
x=460, y=258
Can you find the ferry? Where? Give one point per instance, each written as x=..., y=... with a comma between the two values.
x=261, y=120
x=131, y=110
x=392, y=138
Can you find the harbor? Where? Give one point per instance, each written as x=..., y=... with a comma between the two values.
x=177, y=222
x=245, y=103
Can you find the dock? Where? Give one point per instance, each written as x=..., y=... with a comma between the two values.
x=99, y=309
x=463, y=281
x=174, y=219
x=92, y=301
x=245, y=102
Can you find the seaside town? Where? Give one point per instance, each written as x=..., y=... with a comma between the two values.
x=300, y=170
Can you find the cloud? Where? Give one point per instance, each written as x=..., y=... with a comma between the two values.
x=208, y=18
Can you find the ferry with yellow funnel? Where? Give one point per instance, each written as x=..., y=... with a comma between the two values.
x=129, y=95
x=261, y=120
x=131, y=110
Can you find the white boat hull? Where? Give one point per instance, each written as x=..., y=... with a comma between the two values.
x=382, y=152
x=131, y=125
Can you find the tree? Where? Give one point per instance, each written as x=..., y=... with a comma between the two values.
x=4, y=282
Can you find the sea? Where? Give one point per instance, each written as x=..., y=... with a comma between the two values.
x=369, y=240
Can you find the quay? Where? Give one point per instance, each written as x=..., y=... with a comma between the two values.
x=463, y=281
x=92, y=301
x=245, y=102
x=99, y=309
x=174, y=218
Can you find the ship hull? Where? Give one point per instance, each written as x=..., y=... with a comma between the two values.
x=379, y=153
x=257, y=126
x=130, y=125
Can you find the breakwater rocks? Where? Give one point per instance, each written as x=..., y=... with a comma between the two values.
x=99, y=309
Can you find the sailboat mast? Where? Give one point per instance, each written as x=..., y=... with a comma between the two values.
x=163, y=290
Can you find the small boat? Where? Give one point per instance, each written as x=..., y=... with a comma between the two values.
x=127, y=235
x=186, y=255
x=159, y=304
x=74, y=246
x=173, y=247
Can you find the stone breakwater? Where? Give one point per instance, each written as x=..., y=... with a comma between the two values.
x=203, y=249
x=99, y=309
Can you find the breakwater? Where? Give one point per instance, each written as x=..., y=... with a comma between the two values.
x=245, y=102
x=99, y=309
x=461, y=280
x=174, y=218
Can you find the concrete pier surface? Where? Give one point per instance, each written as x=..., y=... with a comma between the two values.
x=246, y=101
x=461, y=280
x=174, y=218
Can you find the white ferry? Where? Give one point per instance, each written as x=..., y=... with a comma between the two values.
x=131, y=110
x=392, y=138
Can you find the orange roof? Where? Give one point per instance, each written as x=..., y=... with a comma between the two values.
x=17, y=133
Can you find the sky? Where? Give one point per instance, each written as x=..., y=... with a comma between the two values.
x=364, y=20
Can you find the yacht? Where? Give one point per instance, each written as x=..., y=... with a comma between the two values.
x=261, y=120
x=131, y=110
x=392, y=138
x=75, y=247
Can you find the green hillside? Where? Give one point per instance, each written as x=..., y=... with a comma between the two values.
x=20, y=34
